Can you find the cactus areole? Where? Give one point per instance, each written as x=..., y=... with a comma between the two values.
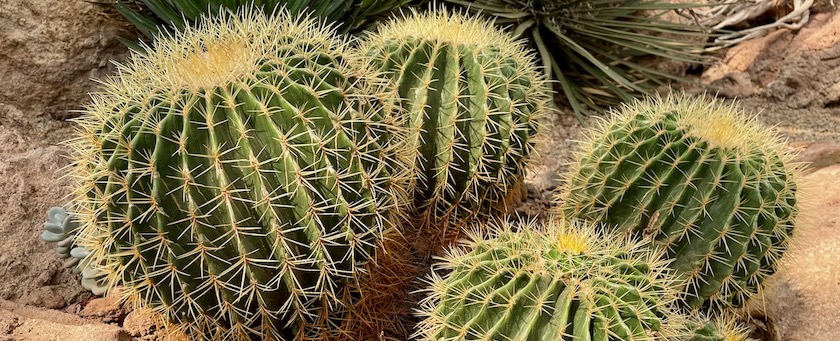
x=473, y=96
x=711, y=186
x=236, y=177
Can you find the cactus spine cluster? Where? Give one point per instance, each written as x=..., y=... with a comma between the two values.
x=556, y=281
x=472, y=97
x=709, y=185
x=236, y=178
x=725, y=327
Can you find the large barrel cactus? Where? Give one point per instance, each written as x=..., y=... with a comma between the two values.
x=556, y=281
x=473, y=97
x=710, y=185
x=235, y=178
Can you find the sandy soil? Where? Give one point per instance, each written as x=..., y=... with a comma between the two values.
x=803, y=298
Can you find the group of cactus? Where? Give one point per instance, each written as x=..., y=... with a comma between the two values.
x=675, y=212
x=243, y=177
x=238, y=177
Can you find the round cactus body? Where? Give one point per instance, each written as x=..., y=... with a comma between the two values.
x=709, y=185
x=236, y=177
x=551, y=282
x=472, y=97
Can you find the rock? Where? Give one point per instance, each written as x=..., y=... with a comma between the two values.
x=30, y=186
x=802, y=297
x=801, y=69
x=140, y=322
x=50, y=52
x=105, y=309
x=740, y=57
x=820, y=154
x=735, y=85
x=19, y=322
x=45, y=297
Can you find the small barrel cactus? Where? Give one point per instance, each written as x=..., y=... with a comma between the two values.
x=61, y=229
x=709, y=185
x=558, y=281
x=472, y=96
x=235, y=178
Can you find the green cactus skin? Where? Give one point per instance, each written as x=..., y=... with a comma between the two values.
x=724, y=327
x=711, y=186
x=237, y=177
x=473, y=97
x=556, y=281
x=61, y=229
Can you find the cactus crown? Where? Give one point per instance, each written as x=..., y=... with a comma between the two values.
x=707, y=183
x=236, y=178
x=549, y=282
x=449, y=27
x=473, y=98
x=202, y=56
x=718, y=124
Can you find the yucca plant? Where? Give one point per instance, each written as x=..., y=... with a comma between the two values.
x=152, y=16
x=592, y=47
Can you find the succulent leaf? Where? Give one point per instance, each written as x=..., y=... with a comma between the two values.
x=61, y=228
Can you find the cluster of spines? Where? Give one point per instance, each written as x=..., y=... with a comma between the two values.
x=473, y=99
x=558, y=281
x=722, y=327
x=234, y=178
x=712, y=187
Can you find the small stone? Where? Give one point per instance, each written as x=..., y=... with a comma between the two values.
x=735, y=85
x=105, y=309
x=819, y=155
x=20, y=322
